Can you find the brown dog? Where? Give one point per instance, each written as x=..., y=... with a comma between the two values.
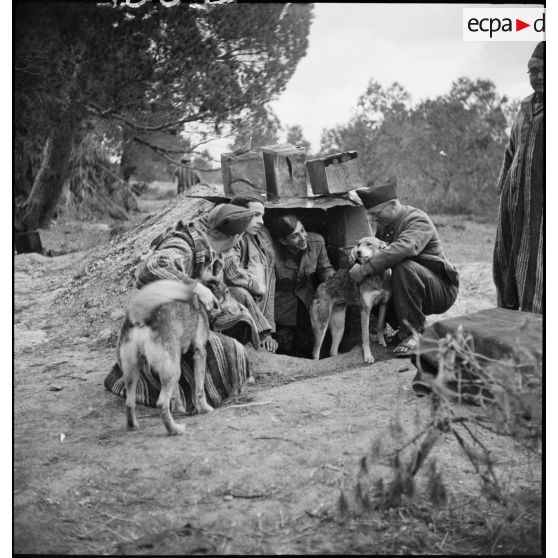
x=339, y=291
x=164, y=321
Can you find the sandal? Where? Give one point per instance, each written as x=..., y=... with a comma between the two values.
x=406, y=347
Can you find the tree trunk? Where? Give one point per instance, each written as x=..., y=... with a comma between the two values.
x=127, y=165
x=49, y=181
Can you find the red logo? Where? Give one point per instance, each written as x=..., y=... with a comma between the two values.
x=519, y=25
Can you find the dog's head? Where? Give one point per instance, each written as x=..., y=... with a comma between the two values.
x=227, y=303
x=366, y=247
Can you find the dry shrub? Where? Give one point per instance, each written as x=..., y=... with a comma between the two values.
x=503, y=396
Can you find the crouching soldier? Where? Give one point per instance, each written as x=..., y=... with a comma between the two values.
x=424, y=282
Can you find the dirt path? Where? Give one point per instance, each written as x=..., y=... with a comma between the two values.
x=259, y=476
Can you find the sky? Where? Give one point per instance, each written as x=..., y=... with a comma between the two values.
x=418, y=45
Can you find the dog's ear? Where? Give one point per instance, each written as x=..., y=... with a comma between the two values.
x=211, y=282
x=217, y=267
x=217, y=307
x=218, y=290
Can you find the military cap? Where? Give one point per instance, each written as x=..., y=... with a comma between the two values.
x=375, y=195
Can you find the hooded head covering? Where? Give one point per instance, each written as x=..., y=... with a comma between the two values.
x=229, y=219
x=539, y=51
x=375, y=195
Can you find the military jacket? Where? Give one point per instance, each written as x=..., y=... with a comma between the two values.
x=294, y=275
x=412, y=235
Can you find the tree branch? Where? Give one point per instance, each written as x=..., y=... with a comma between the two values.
x=105, y=113
x=163, y=153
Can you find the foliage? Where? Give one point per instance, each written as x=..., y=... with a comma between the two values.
x=94, y=188
x=139, y=160
x=149, y=69
x=446, y=152
x=295, y=136
x=255, y=128
x=507, y=399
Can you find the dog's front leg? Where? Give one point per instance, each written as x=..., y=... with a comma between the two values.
x=381, y=324
x=337, y=327
x=365, y=328
x=200, y=361
x=320, y=313
x=176, y=404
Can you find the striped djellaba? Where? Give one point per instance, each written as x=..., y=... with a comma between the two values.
x=518, y=265
x=227, y=371
x=184, y=255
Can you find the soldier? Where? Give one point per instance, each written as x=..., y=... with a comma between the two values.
x=186, y=177
x=299, y=257
x=424, y=282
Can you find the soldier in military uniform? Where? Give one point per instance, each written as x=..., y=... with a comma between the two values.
x=424, y=282
x=299, y=257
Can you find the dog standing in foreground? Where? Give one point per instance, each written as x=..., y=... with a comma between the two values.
x=165, y=320
x=339, y=291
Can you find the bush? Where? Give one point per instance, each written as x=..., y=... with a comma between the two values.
x=504, y=397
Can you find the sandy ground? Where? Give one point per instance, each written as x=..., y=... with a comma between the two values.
x=261, y=474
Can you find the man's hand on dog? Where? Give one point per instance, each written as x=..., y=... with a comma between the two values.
x=207, y=298
x=356, y=273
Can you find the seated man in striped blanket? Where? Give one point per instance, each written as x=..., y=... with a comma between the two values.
x=186, y=253
x=250, y=271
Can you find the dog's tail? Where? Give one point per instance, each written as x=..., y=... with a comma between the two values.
x=143, y=303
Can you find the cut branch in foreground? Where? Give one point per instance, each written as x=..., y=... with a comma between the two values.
x=503, y=403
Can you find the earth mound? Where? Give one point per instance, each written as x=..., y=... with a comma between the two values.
x=98, y=290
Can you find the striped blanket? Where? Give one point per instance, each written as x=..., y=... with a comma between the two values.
x=184, y=254
x=226, y=373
